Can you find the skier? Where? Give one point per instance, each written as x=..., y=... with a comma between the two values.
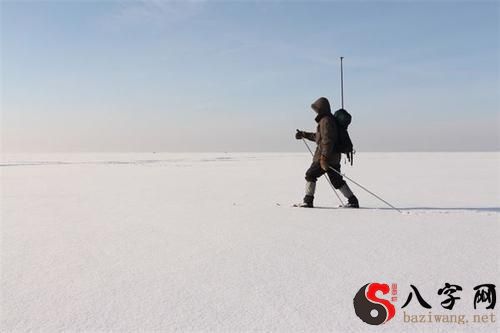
x=326, y=138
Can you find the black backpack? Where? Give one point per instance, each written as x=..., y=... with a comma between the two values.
x=344, y=145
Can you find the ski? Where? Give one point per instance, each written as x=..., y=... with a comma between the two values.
x=318, y=207
x=298, y=205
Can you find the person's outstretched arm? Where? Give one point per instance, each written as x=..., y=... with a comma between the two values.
x=305, y=135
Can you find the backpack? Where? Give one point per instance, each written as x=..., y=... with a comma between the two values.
x=344, y=145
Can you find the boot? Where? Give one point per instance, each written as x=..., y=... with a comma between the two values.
x=309, y=198
x=308, y=202
x=352, y=202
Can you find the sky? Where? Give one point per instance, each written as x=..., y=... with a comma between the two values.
x=228, y=76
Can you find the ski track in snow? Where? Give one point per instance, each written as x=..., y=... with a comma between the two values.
x=210, y=242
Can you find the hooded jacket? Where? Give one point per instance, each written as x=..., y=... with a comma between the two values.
x=326, y=135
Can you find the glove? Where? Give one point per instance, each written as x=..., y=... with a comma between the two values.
x=299, y=135
x=323, y=162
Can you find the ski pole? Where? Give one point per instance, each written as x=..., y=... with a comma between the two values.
x=342, y=81
x=328, y=179
x=367, y=190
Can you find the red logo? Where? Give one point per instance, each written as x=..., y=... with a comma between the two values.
x=370, y=308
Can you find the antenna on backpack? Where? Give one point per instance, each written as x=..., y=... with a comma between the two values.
x=342, y=81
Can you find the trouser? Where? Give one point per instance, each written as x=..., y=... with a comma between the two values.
x=315, y=171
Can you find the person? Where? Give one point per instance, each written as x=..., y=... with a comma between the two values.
x=326, y=137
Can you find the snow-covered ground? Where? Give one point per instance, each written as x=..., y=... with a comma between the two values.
x=209, y=242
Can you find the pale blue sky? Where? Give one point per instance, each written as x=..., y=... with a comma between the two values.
x=240, y=76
